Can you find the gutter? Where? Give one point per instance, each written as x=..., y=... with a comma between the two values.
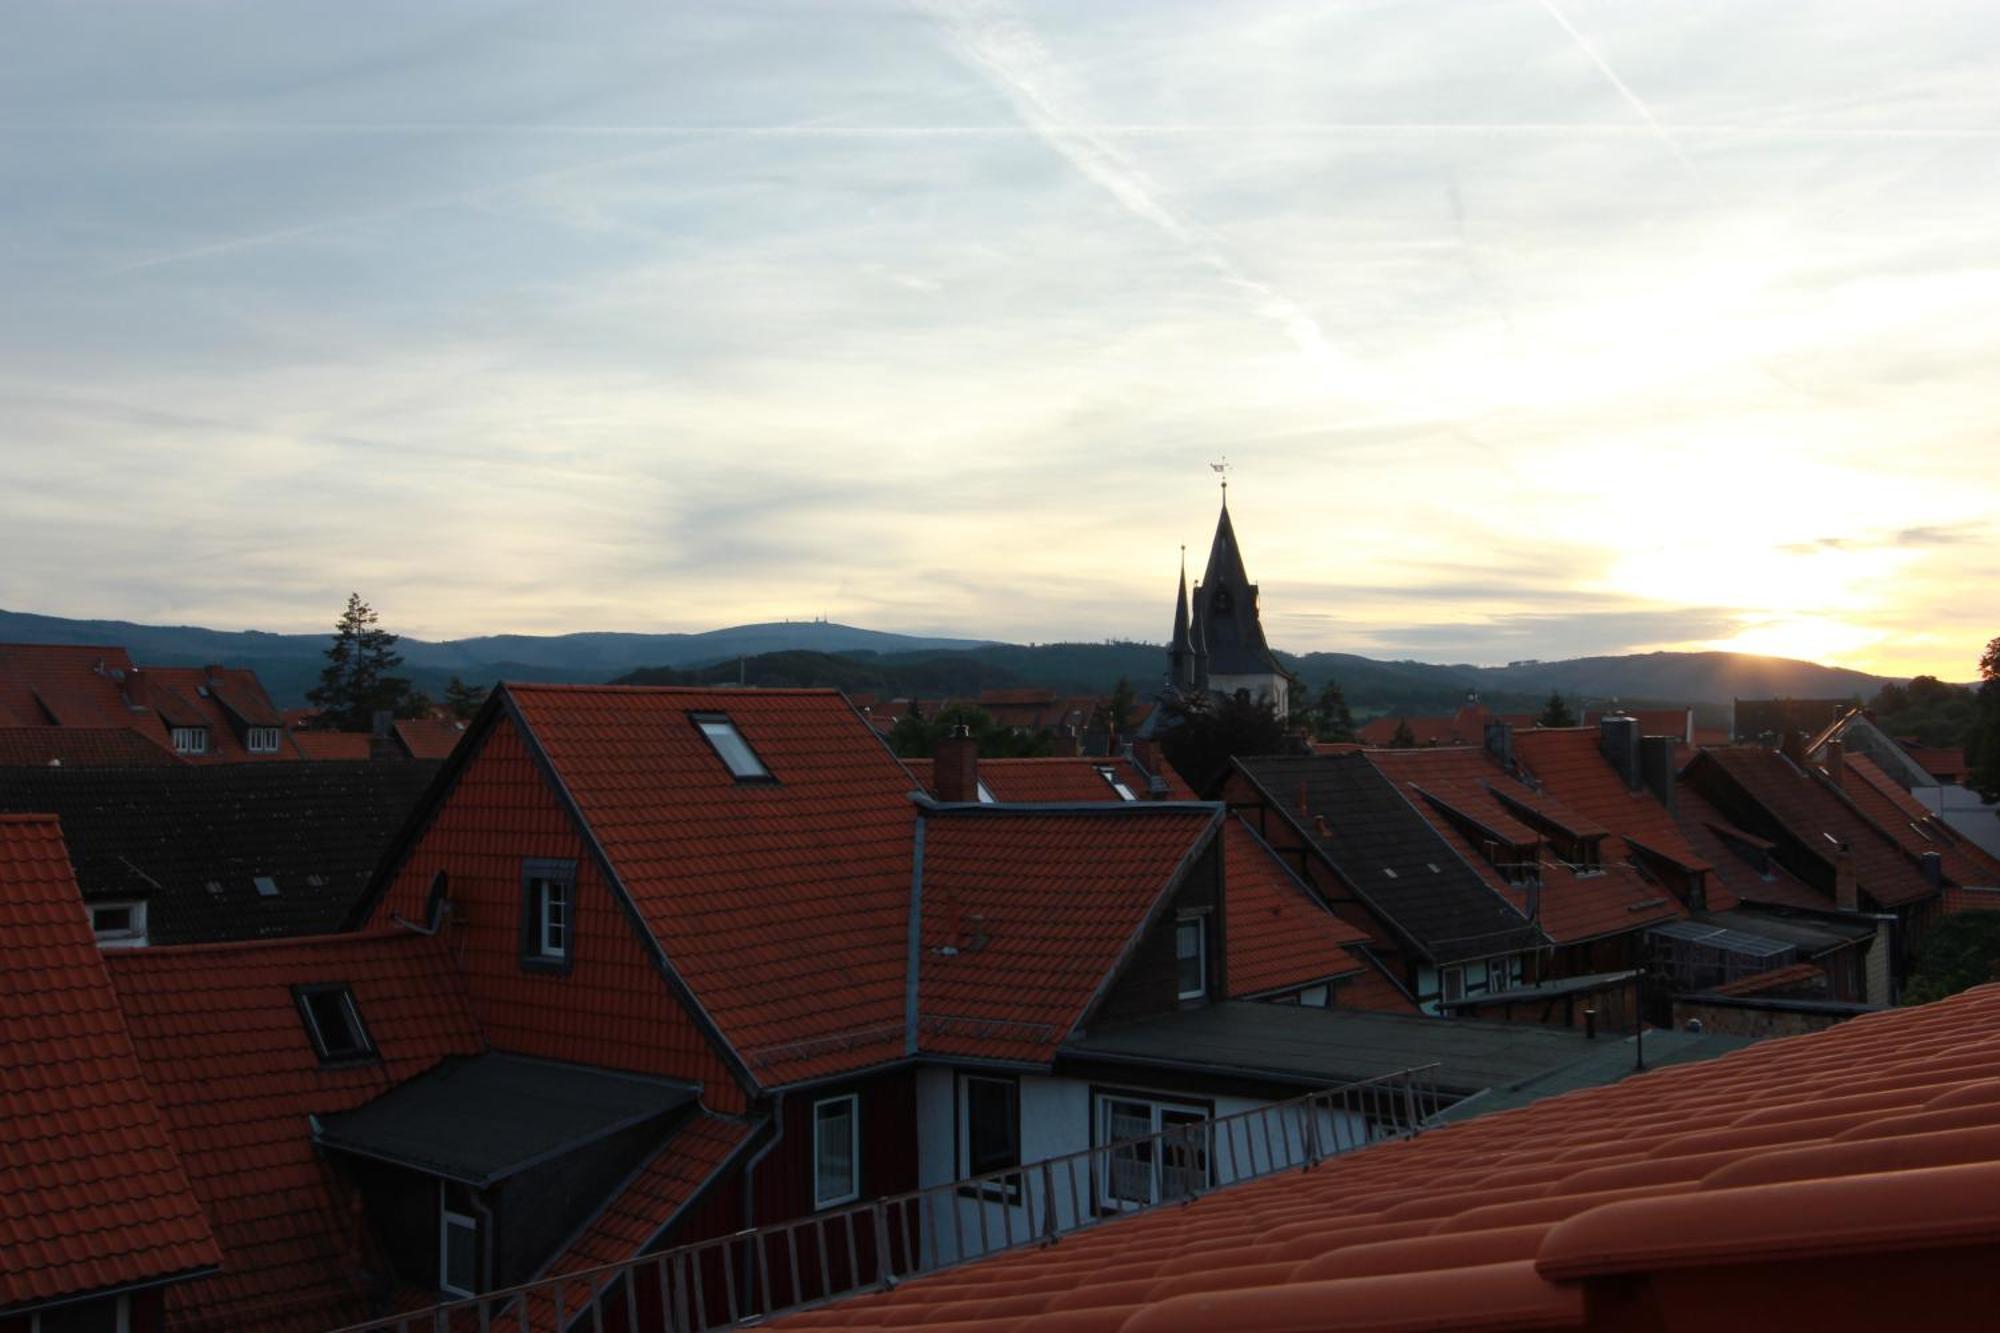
x=757, y=1158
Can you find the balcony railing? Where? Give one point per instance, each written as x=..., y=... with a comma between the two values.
x=754, y=1275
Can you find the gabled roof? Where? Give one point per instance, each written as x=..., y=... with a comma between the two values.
x=1833, y=1180
x=1808, y=808
x=1391, y=856
x=429, y=737
x=93, y=1195
x=1915, y=829
x=1062, y=778
x=98, y=687
x=1281, y=937
x=225, y=1052
x=64, y=685
x=1569, y=765
x=1028, y=912
x=783, y=905
x=193, y=840
x=1570, y=907
x=81, y=747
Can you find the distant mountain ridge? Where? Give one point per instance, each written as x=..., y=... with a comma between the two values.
x=804, y=652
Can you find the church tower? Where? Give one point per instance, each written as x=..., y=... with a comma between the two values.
x=1224, y=643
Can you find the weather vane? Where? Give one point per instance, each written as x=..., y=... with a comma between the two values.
x=1222, y=470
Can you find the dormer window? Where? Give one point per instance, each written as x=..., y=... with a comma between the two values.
x=119, y=925
x=190, y=740
x=334, y=1023
x=1111, y=778
x=548, y=905
x=735, y=752
x=263, y=740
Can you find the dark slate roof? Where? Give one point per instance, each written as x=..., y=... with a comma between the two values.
x=1323, y=1047
x=1610, y=1060
x=1557, y=989
x=1396, y=861
x=487, y=1117
x=194, y=839
x=1227, y=627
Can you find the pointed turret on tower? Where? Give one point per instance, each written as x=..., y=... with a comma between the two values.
x=1218, y=642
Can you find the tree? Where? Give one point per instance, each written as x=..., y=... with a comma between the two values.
x=1982, y=749
x=1115, y=714
x=1960, y=951
x=1205, y=732
x=1555, y=713
x=462, y=699
x=1403, y=738
x=916, y=737
x=1331, y=719
x=358, y=680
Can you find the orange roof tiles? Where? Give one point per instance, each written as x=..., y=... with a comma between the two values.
x=1567, y=763
x=1026, y=912
x=92, y=1193
x=1572, y=907
x=98, y=687
x=429, y=737
x=80, y=747
x=784, y=905
x=1849, y=1176
x=1280, y=936
x=230, y=1065
x=1916, y=830
x=1798, y=976
x=1062, y=778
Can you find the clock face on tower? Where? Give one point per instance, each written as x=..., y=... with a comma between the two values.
x=1222, y=602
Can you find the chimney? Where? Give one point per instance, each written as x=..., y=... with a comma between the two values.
x=1792, y=745
x=382, y=742
x=1618, y=737
x=1500, y=742
x=956, y=766
x=1836, y=762
x=1146, y=754
x=1932, y=864
x=1656, y=767
x=1846, y=891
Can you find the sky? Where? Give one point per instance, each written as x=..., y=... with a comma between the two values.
x=1527, y=328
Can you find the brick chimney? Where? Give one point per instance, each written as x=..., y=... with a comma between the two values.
x=1836, y=762
x=382, y=742
x=956, y=766
x=1656, y=767
x=1846, y=889
x=1618, y=737
x=1792, y=745
x=1500, y=742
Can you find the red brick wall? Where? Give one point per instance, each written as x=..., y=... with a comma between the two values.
x=612, y=1007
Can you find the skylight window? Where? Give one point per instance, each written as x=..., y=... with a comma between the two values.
x=985, y=796
x=333, y=1023
x=266, y=886
x=1110, y=776
x=731, y=748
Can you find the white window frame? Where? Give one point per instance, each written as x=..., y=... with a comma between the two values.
x=364, y=1043
x=1110, y=776
x=1108, y=1198
x=448, y=1217
x=263, y=740
x=124, y=1316
x=1200, y=923
x=1317, y=997
x=133, y=936
x=732, y=747
x=853, y=1100
x=553, y=929
x=965, y=1082
x=190, y=740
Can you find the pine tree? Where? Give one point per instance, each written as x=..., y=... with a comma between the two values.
x=1555, y=713
x=462, y=699
x=358, y=680
x=1403, y=738
x=1117, y=711
x=1983, y=748
x=1331, y=719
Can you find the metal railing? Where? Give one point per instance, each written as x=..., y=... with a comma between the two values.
x=756, y=1274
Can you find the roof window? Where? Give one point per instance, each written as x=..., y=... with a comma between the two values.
x=333, y=1023
x=266, y=886
x=1110, y=775
x=731, y=748
x=986, y=796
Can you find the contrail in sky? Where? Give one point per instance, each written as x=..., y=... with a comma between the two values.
x=1624, y=90
x=1002, y=46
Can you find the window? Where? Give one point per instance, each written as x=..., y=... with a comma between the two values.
x=458, y=1240
x=1159, y=1151
x=1499, y=974
x=1315, y=996
x=985, y=796
x=734, y=751
x=1110, y=776
x=333, y=1023
x=266, y=886
x=989, y=1128
x=1191, y=954
x=836, y=1151
x=263, y=740
x=106, y=1314
x=190, y=740
x=1452, y=979
x=548, y=913
x=119, y=925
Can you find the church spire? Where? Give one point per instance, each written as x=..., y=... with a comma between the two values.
x=1180, y=652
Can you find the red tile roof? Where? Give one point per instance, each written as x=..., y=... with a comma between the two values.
x=1675, y=722
x=1573, y=908
x=1839, y=1179
x=1567, y=763
x=1280, y=937
x=1808, y=808
x=1915, y=829
x=784, y=905
x=96, y=687
x=80, y=747
x=641, y=1209
x=92, y=1192
x=226, y=1054
x=1797, y=977
x=1062, y=778
x=333, y=745
x=1026, y=913
x=63, y=685
x=429, y=737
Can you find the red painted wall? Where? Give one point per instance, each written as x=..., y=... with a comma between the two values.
x=612, y=1007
